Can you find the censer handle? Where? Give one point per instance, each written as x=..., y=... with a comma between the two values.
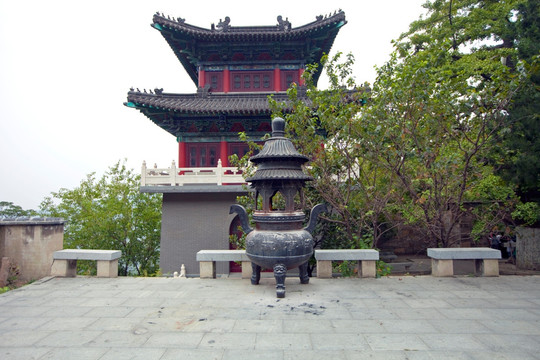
x=317, y=209
x=242, y=214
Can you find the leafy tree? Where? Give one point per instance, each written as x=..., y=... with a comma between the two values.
x=472, y=71
x=9, y=209
x=519, y=151
x=417, y=151
x=111, y=213
x=327, y=127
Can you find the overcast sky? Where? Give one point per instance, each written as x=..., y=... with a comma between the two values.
x=66, y=68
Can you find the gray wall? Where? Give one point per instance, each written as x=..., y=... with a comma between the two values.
x=30, y=244
x=528, y=248
x=193, y=222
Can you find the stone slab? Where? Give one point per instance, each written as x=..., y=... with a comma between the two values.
x=348, y=254
x=86, y=254
x=324, y=268
x=488, y=267
x=62, y=267
x=441, y=268
x=107, y=268
x=222, y=255
x=368, y=269
x=207, y=269
x=463, y=253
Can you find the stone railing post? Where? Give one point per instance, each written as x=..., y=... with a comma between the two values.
x=172, y=174
x=143, y=174
x=219, y=172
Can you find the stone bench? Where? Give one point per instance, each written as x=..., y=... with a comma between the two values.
x=207, y=262
x=442, y=260
x=65, y=262
x=366, y=261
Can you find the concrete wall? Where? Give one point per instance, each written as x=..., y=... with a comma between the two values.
x=528, y=248
x=29, y=244
x=193, y=222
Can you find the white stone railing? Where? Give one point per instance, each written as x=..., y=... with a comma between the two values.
x=174, y=176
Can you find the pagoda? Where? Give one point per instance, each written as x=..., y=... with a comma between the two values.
x=235, y=69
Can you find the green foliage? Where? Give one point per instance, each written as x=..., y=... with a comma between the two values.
x=528, y=213
x=518, y=154
x=4, y=289
x=438, y=105
x=239, y=242
x=326, y=126
x=414, y=149
x=157, y=273
x=346, y=268
x=383, y=269
x=350, y=268
x=111, y=213
x=9, y=209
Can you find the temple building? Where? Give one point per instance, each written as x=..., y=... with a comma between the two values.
x=235, y=69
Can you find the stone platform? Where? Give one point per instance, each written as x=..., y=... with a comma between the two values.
x=407, y=317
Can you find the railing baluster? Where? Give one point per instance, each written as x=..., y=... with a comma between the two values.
x=174, y=176
x=219, y=172
x=143, y=174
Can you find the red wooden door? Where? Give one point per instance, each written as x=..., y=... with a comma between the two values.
x=234, y=230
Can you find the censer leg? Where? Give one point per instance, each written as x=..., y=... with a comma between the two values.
x=280, y=273
x=304, y=277
x=256, y=274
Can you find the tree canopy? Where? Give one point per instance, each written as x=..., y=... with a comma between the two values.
x=111, y=213
x=416, y=148
x=9, y=209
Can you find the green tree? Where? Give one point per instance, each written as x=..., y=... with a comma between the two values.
x=111, y=213
x=460, y=69
x=326, y=125
x=519, y=151
x=417, y=151
x=9, y=209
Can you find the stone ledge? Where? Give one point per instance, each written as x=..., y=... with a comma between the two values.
x=30, y=220
x=222, y=255
x=351, y=254
x=463, y=253
x=195, y=189
x=86, y=254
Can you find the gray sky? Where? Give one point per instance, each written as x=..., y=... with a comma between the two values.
x=66, y=68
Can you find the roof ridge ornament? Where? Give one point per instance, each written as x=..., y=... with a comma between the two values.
x=224, y=25
x=204, y=91
x=283, y=25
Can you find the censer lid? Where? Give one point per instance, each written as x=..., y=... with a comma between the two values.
x=278, y=158
x=278, y=146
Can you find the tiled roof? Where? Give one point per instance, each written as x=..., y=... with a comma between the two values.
x=204, y=103
x=278, y=148
x=279, y=174
x=191, y=43
x=280, y=32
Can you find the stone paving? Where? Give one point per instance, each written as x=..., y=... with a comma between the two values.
x=409, y=317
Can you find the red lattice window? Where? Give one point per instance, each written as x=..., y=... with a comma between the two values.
x=244, y=81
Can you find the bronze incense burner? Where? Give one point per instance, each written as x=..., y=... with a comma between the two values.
x=279, y=241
